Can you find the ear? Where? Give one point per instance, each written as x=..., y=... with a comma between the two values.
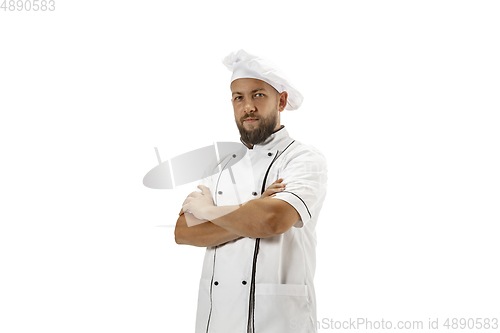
x=283, y=100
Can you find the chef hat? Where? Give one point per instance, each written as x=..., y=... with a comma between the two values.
x=245, y=65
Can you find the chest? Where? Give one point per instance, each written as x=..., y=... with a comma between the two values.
x=246, y=179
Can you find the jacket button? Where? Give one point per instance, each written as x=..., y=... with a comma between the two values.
x=254, y=193
x=243, y=282
x=216, y=283
x=220, y=192
x=269, y=154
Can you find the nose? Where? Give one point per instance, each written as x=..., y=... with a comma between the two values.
x=249, y=106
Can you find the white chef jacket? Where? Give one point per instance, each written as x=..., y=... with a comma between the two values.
x=265, y=285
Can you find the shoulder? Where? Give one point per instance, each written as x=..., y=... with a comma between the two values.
x=304, y=152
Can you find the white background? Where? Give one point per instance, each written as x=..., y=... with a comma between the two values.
x=402, y=97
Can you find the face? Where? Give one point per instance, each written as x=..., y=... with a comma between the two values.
x=256, y=107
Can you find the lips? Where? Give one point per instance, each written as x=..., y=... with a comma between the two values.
x=250, y=120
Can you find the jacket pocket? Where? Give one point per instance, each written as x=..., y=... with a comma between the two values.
x=282, y=308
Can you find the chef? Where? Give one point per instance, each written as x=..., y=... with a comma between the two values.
x=257, y=217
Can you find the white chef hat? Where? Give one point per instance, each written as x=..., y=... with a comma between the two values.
x=245, y=65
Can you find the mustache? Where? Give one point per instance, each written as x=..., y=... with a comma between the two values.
x=244, y=118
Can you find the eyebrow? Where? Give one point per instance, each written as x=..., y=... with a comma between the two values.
x=253, y=91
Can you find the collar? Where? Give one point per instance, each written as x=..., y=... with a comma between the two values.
x=278, y=140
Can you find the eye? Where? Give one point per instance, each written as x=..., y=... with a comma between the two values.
x=259, y=95
x=237, y=98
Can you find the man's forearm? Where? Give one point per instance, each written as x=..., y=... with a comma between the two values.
x=202, y=235
x=252, y=219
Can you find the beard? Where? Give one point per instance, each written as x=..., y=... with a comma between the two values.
x=258, y=133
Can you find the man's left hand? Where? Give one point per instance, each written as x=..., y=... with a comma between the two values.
x=199, y=203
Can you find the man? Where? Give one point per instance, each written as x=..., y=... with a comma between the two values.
x=260, y=259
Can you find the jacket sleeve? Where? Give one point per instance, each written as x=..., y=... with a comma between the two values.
x=305, y=176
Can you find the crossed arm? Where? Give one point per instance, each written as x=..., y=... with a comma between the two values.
x=203, y=235
x=258, y=218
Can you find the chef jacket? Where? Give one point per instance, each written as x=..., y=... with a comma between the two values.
x=265, y=285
